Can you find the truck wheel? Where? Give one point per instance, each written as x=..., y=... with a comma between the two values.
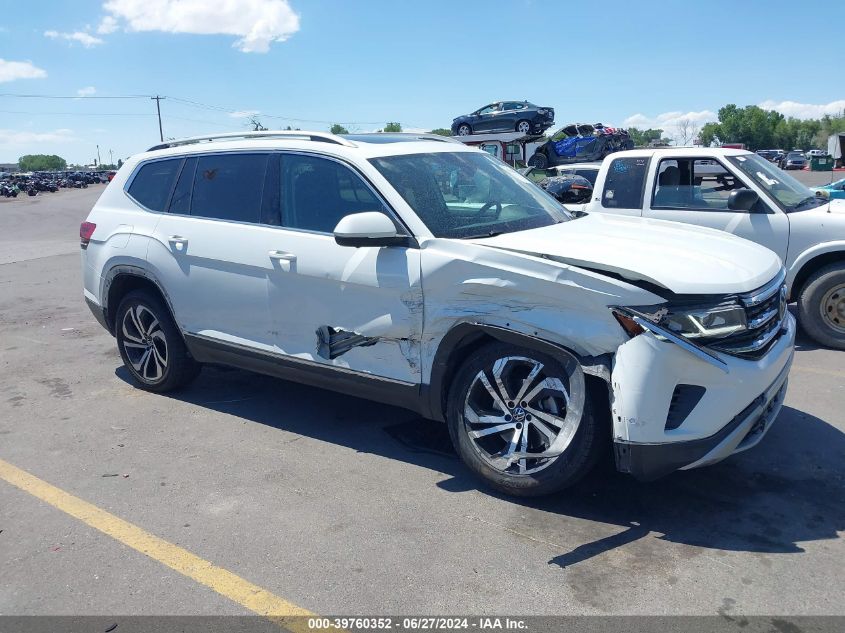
x=151, y=345
x=821, y=306
x=523, y=127
x=509, y=406
x=539, y=160
x=464, y=130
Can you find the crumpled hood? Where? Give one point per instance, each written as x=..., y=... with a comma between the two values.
x=683, y=258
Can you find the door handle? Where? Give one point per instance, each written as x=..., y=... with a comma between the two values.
x=178, y=239
x=282, y=256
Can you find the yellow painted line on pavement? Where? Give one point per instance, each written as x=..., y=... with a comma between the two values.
x=222, y=581
x=817, y=370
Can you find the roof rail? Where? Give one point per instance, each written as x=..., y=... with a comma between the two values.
x=324, y=137
x=418, y=136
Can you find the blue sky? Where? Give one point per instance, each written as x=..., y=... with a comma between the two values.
x=421, y=63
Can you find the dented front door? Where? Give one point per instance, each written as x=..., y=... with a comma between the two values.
x=358, y=308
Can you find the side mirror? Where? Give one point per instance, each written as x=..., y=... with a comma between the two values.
x=370, y=228
x=742, y=200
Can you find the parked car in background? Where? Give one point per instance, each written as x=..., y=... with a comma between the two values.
x=832, y=191
x=505, y=116
x=742, y=193
x=565, y=188
x=815, y=152
x=793, y=160
x=579, y=142
x=768, y=154
x=590, y=171
x=432, y=276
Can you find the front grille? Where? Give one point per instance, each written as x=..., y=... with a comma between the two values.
x=765, y=310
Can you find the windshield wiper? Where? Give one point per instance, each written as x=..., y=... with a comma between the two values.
x=482, y=235
x=805, y=201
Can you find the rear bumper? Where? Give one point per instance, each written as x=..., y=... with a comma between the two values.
x=98, y=311
x=647, y=462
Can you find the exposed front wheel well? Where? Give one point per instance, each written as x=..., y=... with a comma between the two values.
x=810, y=267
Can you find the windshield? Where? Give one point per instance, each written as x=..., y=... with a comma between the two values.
x=468, y=194
x=790, y=194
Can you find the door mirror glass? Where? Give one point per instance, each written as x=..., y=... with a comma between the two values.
x=742, y=200
x=370, y=228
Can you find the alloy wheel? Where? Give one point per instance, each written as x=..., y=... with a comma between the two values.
x=144, y=343
x=520, y=417
x=523, y=127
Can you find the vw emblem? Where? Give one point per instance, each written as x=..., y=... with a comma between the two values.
x=519, y=414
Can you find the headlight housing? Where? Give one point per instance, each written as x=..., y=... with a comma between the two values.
x=691, y=322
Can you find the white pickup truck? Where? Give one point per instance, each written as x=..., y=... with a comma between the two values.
x=741, y=193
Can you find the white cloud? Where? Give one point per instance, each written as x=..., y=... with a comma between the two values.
x=86, y=92
x=257, y=23
x=671, y=122
x=19, y=137
x=86, y=39
x=9, y=71
x=804, y=110
x=107, y=25
x=244, y=114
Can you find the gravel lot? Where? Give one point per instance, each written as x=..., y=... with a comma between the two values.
x=344, y=506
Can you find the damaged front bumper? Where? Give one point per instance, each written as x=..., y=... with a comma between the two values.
x=732, y=408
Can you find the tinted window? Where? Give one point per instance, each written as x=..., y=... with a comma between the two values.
x=229, y=186
x=623, y=186
x=317, y=193
x=181, y=200
x=153, y=182
x=589, y=174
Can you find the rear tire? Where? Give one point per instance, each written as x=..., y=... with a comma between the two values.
x=150, y=344
x=523, y=127
x=821, y=306
x=539, y=160
x=464, y=130
x=551, y=406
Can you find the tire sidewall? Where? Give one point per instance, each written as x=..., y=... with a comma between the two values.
x=171, y=335
x=811, y=320
x=563, y=472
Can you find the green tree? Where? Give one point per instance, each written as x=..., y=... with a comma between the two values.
x=393, y=126
x=41, y=162
x=119, y=163
x=709, y=134
x=441, y=131
x=337, y=128
x=642, y=138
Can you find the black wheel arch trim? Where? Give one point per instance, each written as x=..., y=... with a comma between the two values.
x=129, y=270
x=433, y=395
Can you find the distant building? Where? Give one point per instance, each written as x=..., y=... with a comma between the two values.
x=12, y=167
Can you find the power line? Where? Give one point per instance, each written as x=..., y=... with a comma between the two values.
x=34, y=96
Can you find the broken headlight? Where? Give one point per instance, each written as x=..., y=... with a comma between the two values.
x=693, y=322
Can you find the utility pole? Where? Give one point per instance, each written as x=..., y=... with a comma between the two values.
x=111, y=158
x=158, y=99
x=98, y=155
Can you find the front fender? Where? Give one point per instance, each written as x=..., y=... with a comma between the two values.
x=824, y=248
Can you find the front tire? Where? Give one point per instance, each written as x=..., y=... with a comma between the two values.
x=510, y=410
x=821, y=306
x=151, y=345
x=524, y=127
x=464, y=130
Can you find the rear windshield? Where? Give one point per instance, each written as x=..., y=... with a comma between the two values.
x=469, y=194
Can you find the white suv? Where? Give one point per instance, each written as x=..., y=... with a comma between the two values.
x=429, y=275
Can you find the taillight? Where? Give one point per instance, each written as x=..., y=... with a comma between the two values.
x=86, y=230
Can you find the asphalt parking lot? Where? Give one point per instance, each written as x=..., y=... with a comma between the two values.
x=342, y=506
